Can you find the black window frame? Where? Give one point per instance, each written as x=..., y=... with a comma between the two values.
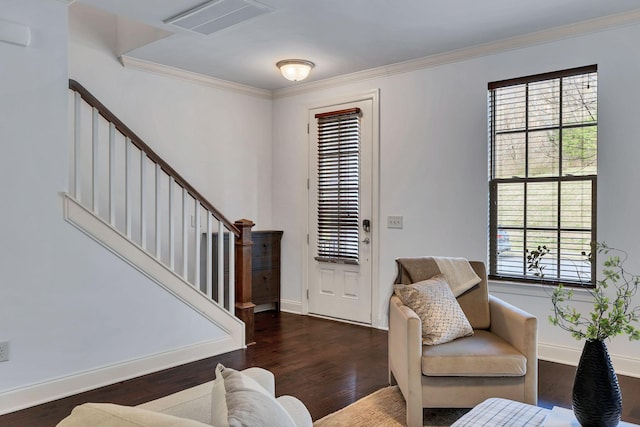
x=494, y=182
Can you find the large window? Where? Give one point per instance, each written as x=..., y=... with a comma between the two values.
x=543, y=133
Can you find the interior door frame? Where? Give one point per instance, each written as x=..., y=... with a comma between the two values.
x=374, y=96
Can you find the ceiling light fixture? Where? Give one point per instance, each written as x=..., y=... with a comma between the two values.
x=295, y=69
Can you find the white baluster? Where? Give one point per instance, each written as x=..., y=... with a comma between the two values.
x=209, y=284
x=76, y=147
x=172, y=225
x=143, y=196
x=95, y=160
x=196, y=239
x=127, y=185
x=184, y=235
x=158, y=217
x=232, y=272
x=112, y=174
x=220, y=263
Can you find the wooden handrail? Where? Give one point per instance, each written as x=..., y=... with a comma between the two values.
x=137, y=141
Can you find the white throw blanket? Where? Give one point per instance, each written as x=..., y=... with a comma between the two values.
x=458, y=273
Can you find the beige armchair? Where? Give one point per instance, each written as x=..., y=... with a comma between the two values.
x=499, y=360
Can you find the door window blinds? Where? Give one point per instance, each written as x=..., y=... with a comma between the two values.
x=338, y=185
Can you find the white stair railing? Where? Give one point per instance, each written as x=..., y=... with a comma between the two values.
x=122, y=181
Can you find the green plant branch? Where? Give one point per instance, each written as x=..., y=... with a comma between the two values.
x=608, y=318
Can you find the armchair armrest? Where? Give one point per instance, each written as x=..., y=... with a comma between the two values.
x=405, y=341
x=520, y=329
x=405, y=353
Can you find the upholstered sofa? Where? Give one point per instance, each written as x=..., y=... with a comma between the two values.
x=498, y=360
x=197, y=406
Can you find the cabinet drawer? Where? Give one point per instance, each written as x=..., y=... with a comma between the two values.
x=265, y=286
x=265, y=252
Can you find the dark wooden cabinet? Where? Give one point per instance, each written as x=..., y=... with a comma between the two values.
x=265, y=265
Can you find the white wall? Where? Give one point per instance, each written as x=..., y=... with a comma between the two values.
x=68, y=306
x=433, y=166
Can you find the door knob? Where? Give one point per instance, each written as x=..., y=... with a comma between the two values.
x=366, y=240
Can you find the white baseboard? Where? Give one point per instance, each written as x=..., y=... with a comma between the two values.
x=623, y=365
x=25, y=397
x=289, y=306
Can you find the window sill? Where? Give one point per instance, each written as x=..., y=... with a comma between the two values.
x=533, y=290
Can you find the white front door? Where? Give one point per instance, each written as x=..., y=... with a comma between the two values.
x=340, y=211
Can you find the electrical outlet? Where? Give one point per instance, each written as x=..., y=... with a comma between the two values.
x=4, y=351
x=394, y=221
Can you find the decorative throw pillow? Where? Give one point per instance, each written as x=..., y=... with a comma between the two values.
x=239, y=401
x=432, y=300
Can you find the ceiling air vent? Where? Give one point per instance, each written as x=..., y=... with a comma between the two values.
x=217, y=15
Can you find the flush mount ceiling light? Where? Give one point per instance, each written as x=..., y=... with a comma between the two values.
x=295, y=69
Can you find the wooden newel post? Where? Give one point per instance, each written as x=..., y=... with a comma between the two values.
x=244, y=306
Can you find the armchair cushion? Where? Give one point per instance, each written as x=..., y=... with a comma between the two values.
x=481, y=355
x=440, y=314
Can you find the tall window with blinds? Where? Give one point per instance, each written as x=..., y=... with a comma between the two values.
x=543, y=133
x=338, y=185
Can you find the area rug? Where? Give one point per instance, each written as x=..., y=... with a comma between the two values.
x=385, y=408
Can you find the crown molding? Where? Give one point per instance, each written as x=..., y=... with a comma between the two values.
x=168, y=71
x=566, y=31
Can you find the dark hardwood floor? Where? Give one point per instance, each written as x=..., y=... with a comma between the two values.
x=326, y=364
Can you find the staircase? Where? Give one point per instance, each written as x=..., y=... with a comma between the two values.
x=127, y=198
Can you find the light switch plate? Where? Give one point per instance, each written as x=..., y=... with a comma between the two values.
x=394, y=221
x=4, y=351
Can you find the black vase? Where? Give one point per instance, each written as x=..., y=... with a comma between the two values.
x=597, y=401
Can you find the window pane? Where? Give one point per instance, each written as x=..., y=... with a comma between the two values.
x=510, y=155
x=580, y=150
x=510, y=205
x=510, y=112
x=576, y=205
x=549, y=262
x=574, y=265
x=544, y=154
x=579, y=99
x=542, y=205
x=510, y=264
x=544, y=108
x=510, y=244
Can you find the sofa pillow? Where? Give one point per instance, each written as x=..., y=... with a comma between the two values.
x=432, y=300
x=240, y=401
x=111, y=415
